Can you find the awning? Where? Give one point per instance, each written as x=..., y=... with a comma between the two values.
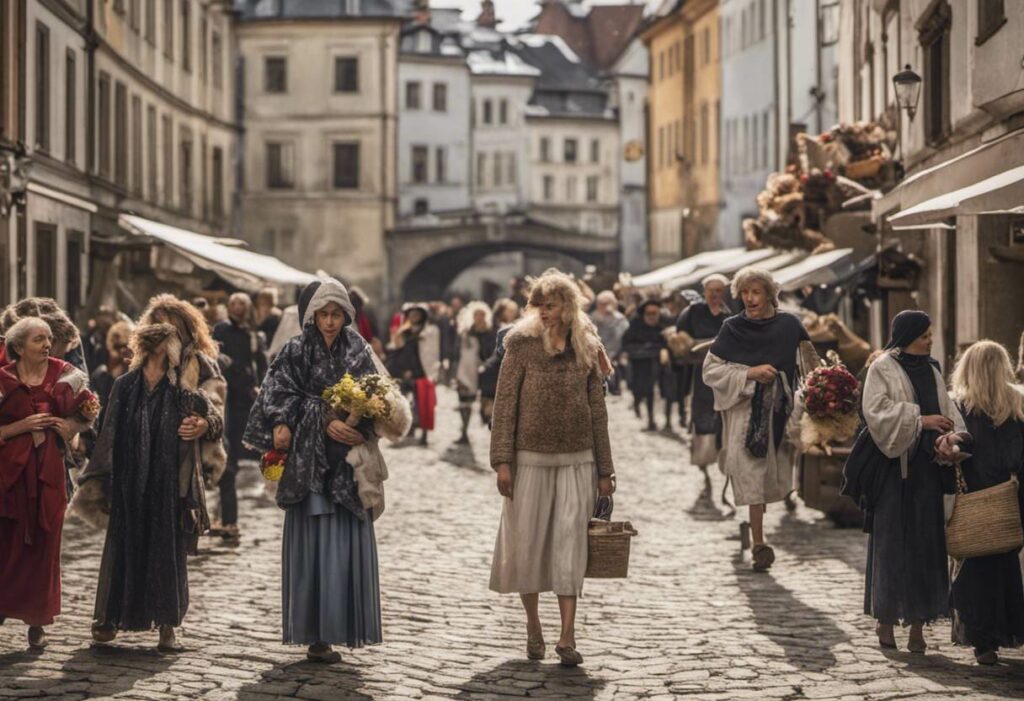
x=767, y=258
x=999, y=194
x=683, y=267
x=826, y=268
x=242, y=268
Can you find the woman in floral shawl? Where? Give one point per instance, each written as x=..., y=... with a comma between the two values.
x=330, y=589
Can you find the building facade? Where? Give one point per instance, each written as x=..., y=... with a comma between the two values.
x=321, y=112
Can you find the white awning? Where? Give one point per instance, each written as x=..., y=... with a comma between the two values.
x=999, y=194
x=821, y=269
x=242, y=268
x=683, y=267
x=763, y=257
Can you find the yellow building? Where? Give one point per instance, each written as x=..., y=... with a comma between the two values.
x=683, y=109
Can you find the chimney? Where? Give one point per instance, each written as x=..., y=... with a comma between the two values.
x=487, y=18
x=421, y=12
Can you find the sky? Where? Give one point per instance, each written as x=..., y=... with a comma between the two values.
x=515, y=13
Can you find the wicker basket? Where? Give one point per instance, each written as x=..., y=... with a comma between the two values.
x=986, y=522
x=865, y=168
x=608, y=549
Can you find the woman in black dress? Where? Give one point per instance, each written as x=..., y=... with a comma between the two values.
x=907, y=409
x=643, y=343
x=987, y=597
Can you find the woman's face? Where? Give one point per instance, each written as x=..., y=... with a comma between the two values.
x=714, y=293
x=510, y=313
x=922, y=345
x=329, y=320
x=551, y=309
x=652, y=315
x=37, y=346
x=480, y=318
x=417, y=317
x=756, y=301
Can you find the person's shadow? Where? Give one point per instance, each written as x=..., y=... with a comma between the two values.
x=461, y=455
x=121, y=667
x=1005, y=680
x=806, y=634
x=310, y=680
x=704, y=507
x=528, y=678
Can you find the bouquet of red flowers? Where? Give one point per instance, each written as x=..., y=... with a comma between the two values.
x=272, y=464
x=831, y=401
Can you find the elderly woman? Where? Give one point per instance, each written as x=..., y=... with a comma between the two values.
x=752, y=370
x=163, y=425
x=550, y=448
x=987, y=596
x=67, y=343
x=611, y=327
x=476, y=341
x=906, y=409
x=330, y=587
x=40, y=399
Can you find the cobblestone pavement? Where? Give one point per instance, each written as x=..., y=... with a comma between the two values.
x=692, y=621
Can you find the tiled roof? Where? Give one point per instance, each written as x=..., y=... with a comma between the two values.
x=315, y=9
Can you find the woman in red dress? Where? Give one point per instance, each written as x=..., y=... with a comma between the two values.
x=43, y=402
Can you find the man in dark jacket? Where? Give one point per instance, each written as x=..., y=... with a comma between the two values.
x=246, y=363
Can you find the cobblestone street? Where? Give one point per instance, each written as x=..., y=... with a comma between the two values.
x=692, y=621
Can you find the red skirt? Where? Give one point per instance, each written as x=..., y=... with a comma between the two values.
x=426, y=401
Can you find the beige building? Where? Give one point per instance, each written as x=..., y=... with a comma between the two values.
x=320, y=112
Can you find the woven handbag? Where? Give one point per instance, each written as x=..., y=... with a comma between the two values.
x=608, y=544
x=986, y=522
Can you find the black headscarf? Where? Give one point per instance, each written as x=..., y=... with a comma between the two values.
x=907, y=326
x=774, y=341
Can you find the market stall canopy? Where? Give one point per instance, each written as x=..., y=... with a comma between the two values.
x=242, y=268
x=999, y=194
x=826, y=268
x=683, y=267
x=768, y=258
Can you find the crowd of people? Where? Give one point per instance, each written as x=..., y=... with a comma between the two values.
x=137, y=422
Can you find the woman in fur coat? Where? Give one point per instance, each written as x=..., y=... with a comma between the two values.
x=163, y=425
x=41, y=399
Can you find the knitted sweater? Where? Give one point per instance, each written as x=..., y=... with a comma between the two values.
x=548, y=404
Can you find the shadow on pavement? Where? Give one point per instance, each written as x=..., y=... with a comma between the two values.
x=120, y=667
x=1005, y=680
x=704, y=507
x=805, y=634
x=527, y=679
x=308, y=680
x=462, y=456
x=803, y=541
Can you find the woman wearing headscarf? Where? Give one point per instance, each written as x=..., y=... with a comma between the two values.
x=38, y=397
x=643, y=343
x=906, y=409
x=752, y=370
x=477, y=341
x=503, y=315
x=551, y=451
x=330, y=587
x=987, y=596
x=163, y=426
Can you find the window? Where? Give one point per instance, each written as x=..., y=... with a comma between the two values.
x=481, y=169
x=569, y=148
x=133, y=14
x=168, y=149
x=510, y=167
x=218, y=71
x=498, y=170
x=755, y=155
x=595, y=150
x=119, y=6
x=151, y=149
x=761, y=23
x=488, y=112
x=204, y=179
x=766, y=138
x=570, y=189
x=280, y=165
x=934, y=39
x=275, y=74
x=991, y=16
x=420, y=207
x=346, y=74
x=549, y=188
x=74, y=249
x=346, y=165
x=70, y=106
x=718, y=133
x=185, y=167
x=103, y=125
x=661, y=66
x=704, y=134
x=150, y=26
x=545, y=149
x=46, y=260
x=412, y=95
x=42, y=81
x=593, y=185
x=217, y=195
x=440, y=164
x=420, y=156
x=440, y=97
x=204, y=55
x=503, y=111
x=137, y=145
x=169, y=28
x=707, y=45
x=121, y=134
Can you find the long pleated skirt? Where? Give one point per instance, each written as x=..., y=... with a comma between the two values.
x=542, y=536
x=330, y=586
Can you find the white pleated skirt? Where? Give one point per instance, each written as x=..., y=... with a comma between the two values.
x=542, y=537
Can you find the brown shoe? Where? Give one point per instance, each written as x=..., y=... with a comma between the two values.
x=916, y=642
x=103, y=632
x=886, y=637
x=988, y=657
x=535, y=647
x=764, y=556
x=323, y=653
x=37, y=638
x=568, y=656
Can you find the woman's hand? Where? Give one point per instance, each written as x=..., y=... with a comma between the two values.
x=605, y=486
x=192, y=428
x=936, y=422
x=765, y=374
x=282, y=437
x=341, y=432
x=36, y=422
x=63, y=427
x=505, y=480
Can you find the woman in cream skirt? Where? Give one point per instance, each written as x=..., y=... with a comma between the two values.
x=551, y=451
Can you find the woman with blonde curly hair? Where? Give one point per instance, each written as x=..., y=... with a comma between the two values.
x=552, y=455
x=987, y=597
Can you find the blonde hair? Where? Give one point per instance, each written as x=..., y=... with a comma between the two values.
x=187, y=319
x=982, y=382
x=586, y=344
x=754, y=274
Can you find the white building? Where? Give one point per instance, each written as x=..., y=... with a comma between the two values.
x=629, y=88
x=433, y=127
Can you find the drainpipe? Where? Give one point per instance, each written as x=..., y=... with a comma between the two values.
x=90, y=87
x=775, y=77
x=819, y=93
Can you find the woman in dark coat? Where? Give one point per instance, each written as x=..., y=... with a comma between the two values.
x=906, y=409
x=987, y=597
x=643, y=343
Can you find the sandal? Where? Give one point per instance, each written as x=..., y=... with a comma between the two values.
x=323, y=653
x=764, y=556
x=535, y=647
x=568, y=656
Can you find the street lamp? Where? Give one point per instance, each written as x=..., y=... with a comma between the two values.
x=907, y=85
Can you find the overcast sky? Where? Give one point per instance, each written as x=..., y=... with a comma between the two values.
x=515, y=13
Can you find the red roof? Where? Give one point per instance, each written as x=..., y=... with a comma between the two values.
x=600, y=38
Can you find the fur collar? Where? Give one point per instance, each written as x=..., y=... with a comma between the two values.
x=182, y=363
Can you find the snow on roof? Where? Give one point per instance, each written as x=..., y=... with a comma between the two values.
x=537, y=41
x=485, y=63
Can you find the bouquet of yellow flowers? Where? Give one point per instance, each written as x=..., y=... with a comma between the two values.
x=365, y=397
x=272, y=465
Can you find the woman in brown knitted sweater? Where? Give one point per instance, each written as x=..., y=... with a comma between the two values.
x=550, y=448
